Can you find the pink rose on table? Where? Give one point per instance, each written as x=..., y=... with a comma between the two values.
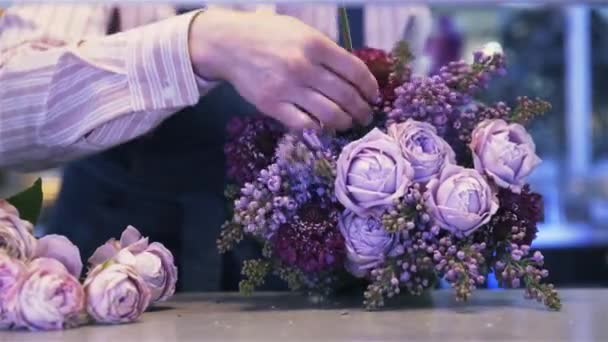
x=115, y=292
x=505, y=152
x=371, y=174
x=47, y=297
x=422, y=147
x=152, y=261
x=367, y=243
x=460, y=200
x=16, y=236
x=11, y=271
x=58, y=247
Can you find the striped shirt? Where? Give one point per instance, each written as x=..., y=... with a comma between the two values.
x=68, y=90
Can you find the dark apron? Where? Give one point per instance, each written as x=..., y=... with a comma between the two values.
x=169, y=184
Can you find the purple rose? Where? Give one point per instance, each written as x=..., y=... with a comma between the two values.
x=422, y=147
x=16, y=236
x=47, y=297
x=152, y=261
x=115, y=292
x=371, y=174
x=367, y=243
x=505, y=152
x=11, y=271
x=157, y=267
x=58, y=247
x=460, y=200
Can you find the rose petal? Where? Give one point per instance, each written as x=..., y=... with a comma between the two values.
x=58, y=247
x=105, y=252
x=129, y=236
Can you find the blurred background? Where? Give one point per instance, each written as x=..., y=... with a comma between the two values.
x=559, y=53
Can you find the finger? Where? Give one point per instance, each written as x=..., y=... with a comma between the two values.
x=348, y=67
x=341, y=92
x=327, y=111
x=294, y=118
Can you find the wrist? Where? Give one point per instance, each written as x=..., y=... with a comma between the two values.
x=208, y=40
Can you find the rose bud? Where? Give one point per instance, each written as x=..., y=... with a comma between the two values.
x=16, y=235
x=115, y=292
x=47, y=297
x=152, y=261
x=11, y=271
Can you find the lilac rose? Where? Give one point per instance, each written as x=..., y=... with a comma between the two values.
x=11, y=271
x=115, y=292
x=505, y=152
x=422, y=147
x=16, y=235
x=371, y=174
x=460, y=200
x=367, y=243
x=152, y=261
x=47, y=297
x=58, y=247
x=157, y=267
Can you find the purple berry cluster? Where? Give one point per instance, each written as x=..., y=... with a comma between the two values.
x=470, y=78
x=426, y=99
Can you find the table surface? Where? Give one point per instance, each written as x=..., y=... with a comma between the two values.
x=489, y=316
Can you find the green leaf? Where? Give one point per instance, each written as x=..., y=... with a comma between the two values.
x=345, y=29
x=29, y=202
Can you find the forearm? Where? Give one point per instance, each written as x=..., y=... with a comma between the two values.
x=69, y=101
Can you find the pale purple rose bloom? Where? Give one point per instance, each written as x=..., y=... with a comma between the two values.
x=11, y=271
x=115, y=292
x=58, y=247
x=422, y=147
x=47, y=297
x=16, y=235
x=157, y=267
x=367, y=243
x=152, y=261
x=371, y=174
x=505, y=152
x=460, y=200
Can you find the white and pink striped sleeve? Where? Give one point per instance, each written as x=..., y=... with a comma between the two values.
x=62, y=97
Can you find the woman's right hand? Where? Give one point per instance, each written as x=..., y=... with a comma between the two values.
x=287, y=69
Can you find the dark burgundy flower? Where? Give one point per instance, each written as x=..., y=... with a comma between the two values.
x=380, y=64
x=518, y=216
x=250, y=146
x=311, y=241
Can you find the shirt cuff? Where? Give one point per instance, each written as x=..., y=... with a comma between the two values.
x=159, y=68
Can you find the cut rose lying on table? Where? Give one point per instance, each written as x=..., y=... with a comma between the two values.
x=39, y=278
x=433, y=189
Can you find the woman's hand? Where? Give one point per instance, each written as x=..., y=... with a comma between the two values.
x=287, y=69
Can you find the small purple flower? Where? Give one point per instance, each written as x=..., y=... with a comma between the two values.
x=505, y=152
x=422, y=147
x=371, y=174
x=460, y=200
x=367, y=243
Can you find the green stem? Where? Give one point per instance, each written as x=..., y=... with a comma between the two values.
x=345, y=29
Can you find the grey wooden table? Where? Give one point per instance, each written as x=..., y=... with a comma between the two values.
x=490, y=316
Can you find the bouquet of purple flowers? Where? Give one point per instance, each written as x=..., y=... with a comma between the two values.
x=433, y=189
